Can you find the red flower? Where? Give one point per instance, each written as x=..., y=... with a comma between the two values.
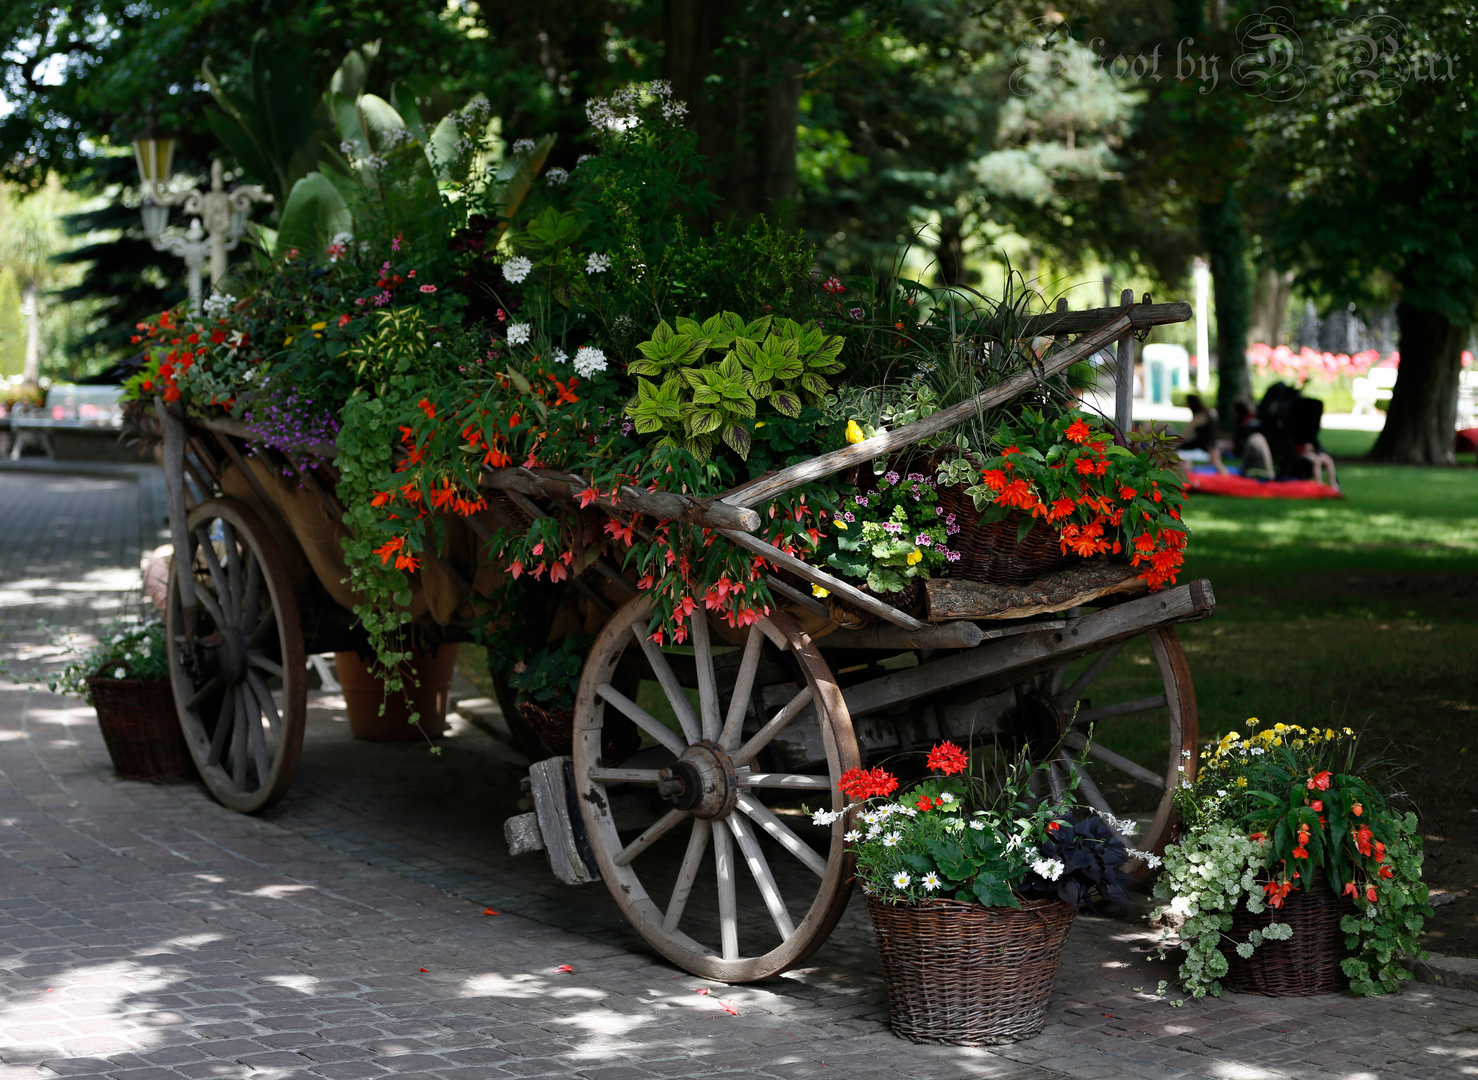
x=1350, y=889
x=1357, y=809
x=1077, y=431
x=925, y=803
x=948, y=758
x=428, y=409
x=865, y=783
x=1387, y=872
x=1316, y=805
x=1320, y=781
x=1370, y=893
x=1300, y=852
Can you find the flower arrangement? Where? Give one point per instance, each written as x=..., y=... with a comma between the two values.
x=1264, y=813
x=127, y=649
x=890, y=535
x=955, y=835
x=1101, y=498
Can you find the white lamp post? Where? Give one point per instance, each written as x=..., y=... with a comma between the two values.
x=222, y=212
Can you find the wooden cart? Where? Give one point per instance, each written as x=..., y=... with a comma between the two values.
x=761, y=723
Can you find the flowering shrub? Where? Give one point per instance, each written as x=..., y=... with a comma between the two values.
x=951, y=835
x=1306, y=364
x=127, y=649
x=1101, y=498
x=892, y=534
x=1265, y=812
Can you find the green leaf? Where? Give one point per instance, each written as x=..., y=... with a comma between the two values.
x=739, y=439
x=786, y=403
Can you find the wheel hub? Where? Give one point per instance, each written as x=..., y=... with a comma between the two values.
x=701, y=782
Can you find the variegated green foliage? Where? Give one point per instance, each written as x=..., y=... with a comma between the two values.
x=697, y=401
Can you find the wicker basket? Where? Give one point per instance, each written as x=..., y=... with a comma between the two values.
x=966, y=974
x=142, y=730
x=1305, y=964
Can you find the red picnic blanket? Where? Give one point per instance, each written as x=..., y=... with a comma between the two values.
x=1247, y=488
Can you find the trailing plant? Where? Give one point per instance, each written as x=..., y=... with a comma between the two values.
x=1263, y=814
x=550, y=676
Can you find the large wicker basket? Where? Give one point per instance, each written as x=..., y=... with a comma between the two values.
x=141, y=729
x=1308, y=962
x=966, y=974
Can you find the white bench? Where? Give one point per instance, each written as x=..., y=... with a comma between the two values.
x=1375, y=386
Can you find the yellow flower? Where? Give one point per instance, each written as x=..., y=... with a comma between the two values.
x=1278, y=740
x=1347, y=731
x=1297, y=743
x=1241, y=781
x=854, y=432
x=839, y=523
x=915, y=557
x=318, y=326
x=759, y=425
x=287, y=341
x=817, y=590
x=1329, y=733
x=1252, y=721
x=1280, y=727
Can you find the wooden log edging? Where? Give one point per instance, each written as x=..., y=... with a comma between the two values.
x=1072, y=586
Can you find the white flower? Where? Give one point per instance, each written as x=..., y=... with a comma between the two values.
x=1149, y=858
x=516, y=269
x=1051, y=869
x=518, y=333
x=874, y=832
x=851, y=836
x=1257, y=751
x=824, y=817
x=931, y=881
x=977, y=825
x=597, y=263
x=946, y=798
x=559, y=356
x=866, y=889
x=120, y=673
x=1221, y=793
x=891, y=839
x=218, y=304
x=869, y=817
x=557, y=175
x=901, y=879
x=523, y=146
x=1181, y=905
x=1123, y=828
x=588, y=361
x=1186, y=754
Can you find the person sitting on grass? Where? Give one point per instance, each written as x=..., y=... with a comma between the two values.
x=1250, y=445
x=1200, y=439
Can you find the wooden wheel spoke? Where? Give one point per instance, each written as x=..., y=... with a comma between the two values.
x=1123, y=708
x=728, y=903
x=643, y=719
x=225, y=724
x=257, y=660
x=234, y=579
x=707, y=686
x=1077, y=740
x=795, y=781
x=1086, y=678
x=759, y=869
x=211, y=686
x=687, y=873
x=214, y=609
x=664, y=825
x=238, y=741
x=733, y=728
x=692, y=730
x=781, y=833
x=263, y=628
x=217, y=575
x=264, y=700
x=251, y=601
x=254, y=718
x=624, y=776
x=1090, y=791
x=762, y=737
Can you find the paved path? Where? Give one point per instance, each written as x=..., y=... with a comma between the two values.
x=147, y=932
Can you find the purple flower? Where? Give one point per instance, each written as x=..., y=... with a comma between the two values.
x=952, y=556
x=855, y=312
x=950, y=530
x=860, y=500
x=893, y=527
x=848, y=517
x=890, y=477
x=915, y=478
x=949, y=520
x=939, y=511
x=923, y=540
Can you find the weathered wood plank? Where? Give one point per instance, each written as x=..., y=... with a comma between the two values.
x=766, y=488
x=1073, y=322
x=1081, y=583
x=665, y=505
x=1026, y=654
x=547, y=785
x=954, y=635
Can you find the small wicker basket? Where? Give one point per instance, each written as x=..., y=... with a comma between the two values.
x=142, y=730
x=967, y=974
x=1307, y=963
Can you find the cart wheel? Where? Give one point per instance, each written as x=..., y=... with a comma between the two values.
x=240, y=682
x=724, y=925
x=1144, y=692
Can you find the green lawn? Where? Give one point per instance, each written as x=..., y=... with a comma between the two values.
x=1358, y=611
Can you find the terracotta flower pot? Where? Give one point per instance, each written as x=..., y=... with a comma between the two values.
x=364, y=693
x=141, y=729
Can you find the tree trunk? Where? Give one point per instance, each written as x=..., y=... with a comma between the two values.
x=1423, y=411
x=32, y=303
x=951, y=251
x=1226, y=248
x=743, y=102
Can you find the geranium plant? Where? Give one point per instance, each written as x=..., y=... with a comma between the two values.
x=958, y=835
x=1264, y=813
x=891, y=534
x=1101, y=499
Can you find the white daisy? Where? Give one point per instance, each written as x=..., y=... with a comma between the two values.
x=931, y=881
x=891, y=840
x=874, y=832
x=518, y=334
x=901, y=880
x=851, y=836
x=946, y=798
x=588, y=361
x=597, y=263
x=978, y=825
x=870, y=817
x=516, y=269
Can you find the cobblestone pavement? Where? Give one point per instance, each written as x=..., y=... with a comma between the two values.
x=147, y=932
